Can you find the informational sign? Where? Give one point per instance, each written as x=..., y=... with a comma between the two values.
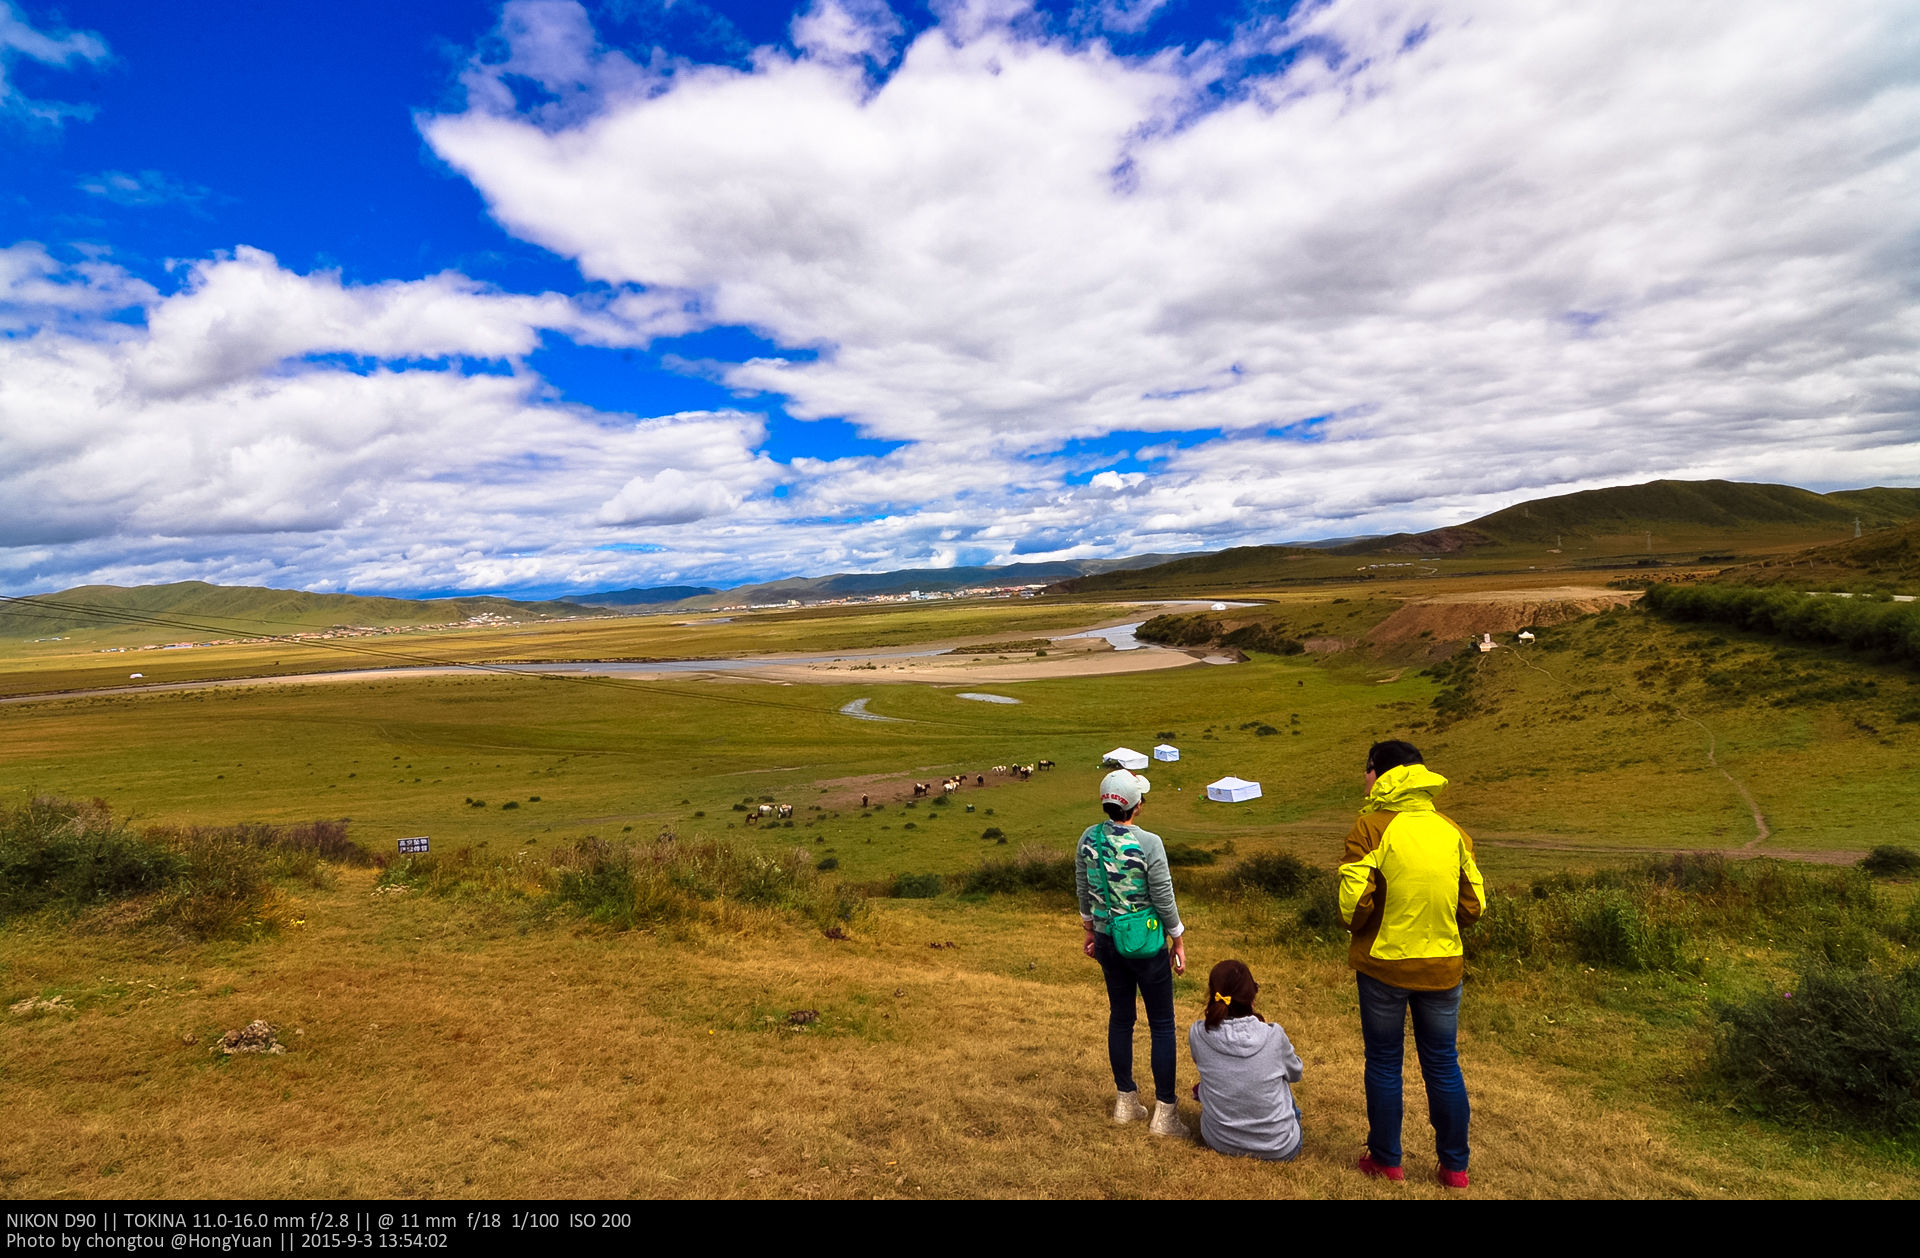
x=416, y=844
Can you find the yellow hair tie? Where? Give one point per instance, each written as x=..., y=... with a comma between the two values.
x=1223, y=998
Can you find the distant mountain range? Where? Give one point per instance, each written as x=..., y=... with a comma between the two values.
x=864, y=584
x=649, y=596
x=1683, y=513
x=195, y=609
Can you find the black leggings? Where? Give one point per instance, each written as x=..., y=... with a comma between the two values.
x=1152, y=978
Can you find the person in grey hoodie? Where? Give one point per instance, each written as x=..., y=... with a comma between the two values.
x=1245, y=1064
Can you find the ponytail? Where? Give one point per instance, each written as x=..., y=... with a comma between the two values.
x=1230, y=993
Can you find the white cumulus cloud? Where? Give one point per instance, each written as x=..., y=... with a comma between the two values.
x=1480, y=248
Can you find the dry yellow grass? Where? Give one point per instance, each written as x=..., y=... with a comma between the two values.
x=436, y=1051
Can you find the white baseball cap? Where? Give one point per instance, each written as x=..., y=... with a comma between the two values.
x=1123, y=787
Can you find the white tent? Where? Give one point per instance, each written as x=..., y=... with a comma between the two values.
x=1232, y=790
x=1166, y=751
x=1126, y=758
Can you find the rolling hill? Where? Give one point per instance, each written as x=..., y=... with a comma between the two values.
x=242, y=610
x=1887, y=560
x=1580, y=529
x=1627, y=509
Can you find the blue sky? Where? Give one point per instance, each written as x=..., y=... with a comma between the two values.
x=551, y=296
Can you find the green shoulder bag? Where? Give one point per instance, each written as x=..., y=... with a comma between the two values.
x=1137, y=932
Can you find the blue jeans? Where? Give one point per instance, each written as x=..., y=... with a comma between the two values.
x=1152, y=977
x=1383, y=1027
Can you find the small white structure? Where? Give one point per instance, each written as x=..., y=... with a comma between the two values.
x=1486, y=643
x=1232, y=790
x=1124, y=758
x=1526, y=635
x=1219, y=607
x=135, y=676
x=1166, y=751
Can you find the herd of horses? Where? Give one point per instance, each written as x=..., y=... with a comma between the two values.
x=947, y=786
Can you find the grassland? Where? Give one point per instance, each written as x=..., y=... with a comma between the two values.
x=88, y=659
x=490, y=1046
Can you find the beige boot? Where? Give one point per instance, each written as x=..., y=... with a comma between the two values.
x=1127, y=1107
x=1166, y=1121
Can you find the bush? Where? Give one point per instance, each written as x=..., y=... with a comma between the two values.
x=1891, y=861
x=1841, y=1046
x=993, y=832
x=1277, y=873
x=916, y=886
x=222, y=888
x=1031, y=869
x=827, y=863
x=210, y=881
x=631, y=885
x=1189, y=854
x=1859, y=624
x=65, y=854
x=1609, y=928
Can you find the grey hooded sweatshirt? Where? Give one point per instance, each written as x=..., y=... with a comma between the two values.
x=1246, y=1107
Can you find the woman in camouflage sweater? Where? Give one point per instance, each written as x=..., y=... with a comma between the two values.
x=1117, y=868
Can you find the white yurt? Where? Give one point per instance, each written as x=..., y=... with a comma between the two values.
x=1125, y=758
x=1167, y=752
x=1232, y=790
x=1219, y=607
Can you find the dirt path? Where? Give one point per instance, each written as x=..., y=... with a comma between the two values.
x=1836, y=857
x=1762, y=831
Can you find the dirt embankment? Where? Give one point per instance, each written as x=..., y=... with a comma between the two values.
x=1451, y=618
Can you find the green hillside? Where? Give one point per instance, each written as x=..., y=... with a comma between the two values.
x=1595, y=528
x=1625, y=509
x=247, y=610
x=1240, y=566
x=1888, y=560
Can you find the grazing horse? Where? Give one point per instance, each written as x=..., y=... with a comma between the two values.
x=947, y=787
x=981, y=780
x=865, y=801
x=921, y=788
x=786, y=812
x=1045, y=764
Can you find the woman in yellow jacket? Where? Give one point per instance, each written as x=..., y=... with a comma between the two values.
x=1407, y=886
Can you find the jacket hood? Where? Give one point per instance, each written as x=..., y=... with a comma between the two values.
x=1409, y=788
x=1238, y=1037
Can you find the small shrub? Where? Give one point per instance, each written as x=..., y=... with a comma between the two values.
x=993, y=832
x=1891, y=861
x=916, y=886
x=1843, y=1046
x=222, y=889
x=62, y=853
x=1189, y=854
x=1031, y=869
x=826, y=863
x=1278, y=874
x=512, y=803
x=1610, y=929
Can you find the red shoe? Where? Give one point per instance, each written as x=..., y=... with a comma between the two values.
x=1452, y=1179
x=1367, y=1166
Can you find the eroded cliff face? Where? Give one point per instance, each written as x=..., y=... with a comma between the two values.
x=1444, y=622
